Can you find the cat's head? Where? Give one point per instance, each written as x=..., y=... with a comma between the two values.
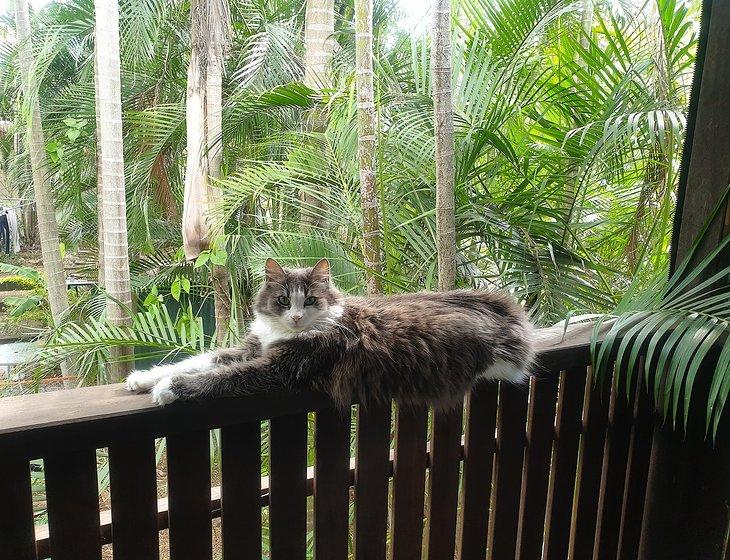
x=295, y=300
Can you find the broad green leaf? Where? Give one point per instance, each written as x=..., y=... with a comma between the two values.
x=202, y=259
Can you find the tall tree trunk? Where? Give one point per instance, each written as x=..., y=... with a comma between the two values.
x=366, y=144
x=99, y=177
x=195, y=203
x=214, y=107
x=444, y=131
x=319, y=28
x=47, y=225
x=116, y=248
x=586, y=24
x=27, y=215
x=209, y=32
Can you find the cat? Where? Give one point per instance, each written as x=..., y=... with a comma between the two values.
x=419, y=348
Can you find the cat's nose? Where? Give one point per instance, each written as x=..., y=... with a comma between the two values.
x=295, y=318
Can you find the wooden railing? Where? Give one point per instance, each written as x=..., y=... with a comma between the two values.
x=555, y=470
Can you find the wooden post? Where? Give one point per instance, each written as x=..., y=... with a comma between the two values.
x=683, y=467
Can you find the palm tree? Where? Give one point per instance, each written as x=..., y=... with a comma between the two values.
x=219, y=38
x=543, y=119
x=319, y=28
x=366, y=144
x=116, y=251
x=444, y=133
x=195, y=205
x=99, y=175
x=47, y=225
x=586, y=23
x=209, y=32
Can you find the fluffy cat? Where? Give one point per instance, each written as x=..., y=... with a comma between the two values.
x=417, y=348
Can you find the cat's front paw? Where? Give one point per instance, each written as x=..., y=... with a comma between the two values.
x=140, y=381
x=163, y=392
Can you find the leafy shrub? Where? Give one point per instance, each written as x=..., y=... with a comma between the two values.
x=23, y=304
x=17, y=282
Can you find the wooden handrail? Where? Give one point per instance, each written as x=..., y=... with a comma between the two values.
x=33, y=426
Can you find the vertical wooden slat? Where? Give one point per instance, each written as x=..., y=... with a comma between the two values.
x=188, y=486
x=613, y=476
x=133, y=480
x=17, y=537
x=588, y=475
x=241, y=491
x=443, y=487
x=479, y=444
x=372, y=466
x=331, y=484
x=664, y=487
x=563, y=464
x=637, y=470
x=409, y=470
x=73, y=505
x=540, y=431
x=511, y=417
x=288, y=487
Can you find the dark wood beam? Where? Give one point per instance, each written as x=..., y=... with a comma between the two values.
x=688, y=482
x=705, y=169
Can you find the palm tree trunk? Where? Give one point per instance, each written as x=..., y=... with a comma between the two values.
x=195, y=202
x=444, y=132
x=116, y=248
x=366, y=144
x=209, y=32
x=586, y=23
x=319, y=28
x=29, y=215
x=214, y=133
x=47, y=225
x=99, y=178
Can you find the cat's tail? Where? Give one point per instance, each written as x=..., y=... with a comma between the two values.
x=514, y=356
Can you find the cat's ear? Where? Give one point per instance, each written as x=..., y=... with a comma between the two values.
x=321, y=271
x=273, y=271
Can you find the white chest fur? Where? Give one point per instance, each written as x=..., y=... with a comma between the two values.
x=266, y=334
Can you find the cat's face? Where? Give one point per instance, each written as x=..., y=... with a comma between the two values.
x=298, y=299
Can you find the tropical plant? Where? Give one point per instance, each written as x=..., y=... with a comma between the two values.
x=319, y=28
x=443, y=125
x=667, y=331
x=47, y=226
x=566, y=130
x=367, y=143
x=112, y=196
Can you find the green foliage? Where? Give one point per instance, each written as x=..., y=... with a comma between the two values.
x=26, y=272
x=154, y=334
x=18, y=283
x=21, y=305
x=567, y=146
x=669, y=330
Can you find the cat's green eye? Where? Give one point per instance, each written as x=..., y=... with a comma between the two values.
x=282, y=300
x=311, y=300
